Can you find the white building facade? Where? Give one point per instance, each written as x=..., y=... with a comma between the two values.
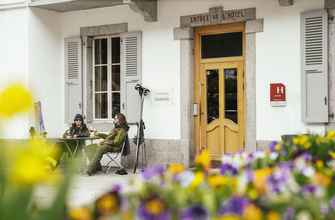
x=87, y=56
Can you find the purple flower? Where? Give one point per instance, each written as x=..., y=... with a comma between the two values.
x=289, y=214
x=234, y=205
x=196, y=212
x=153, y=171
x=272, y=146
x=228, y=169
x=153, y=209
x=332, y=203
x=278, y=180
x=309, y=189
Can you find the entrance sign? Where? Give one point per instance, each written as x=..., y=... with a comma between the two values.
x=277, y=94
x=218, y=16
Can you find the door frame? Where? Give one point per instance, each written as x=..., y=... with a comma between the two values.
x=208, y=30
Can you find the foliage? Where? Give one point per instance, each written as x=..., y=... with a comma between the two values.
x=25, y=166
x=290, y=180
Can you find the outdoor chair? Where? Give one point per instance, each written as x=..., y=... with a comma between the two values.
x=115, y=158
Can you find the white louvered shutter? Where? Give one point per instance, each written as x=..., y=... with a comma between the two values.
x=88, y=65
x=131, y=49
x=315, y=66
x=73, y=78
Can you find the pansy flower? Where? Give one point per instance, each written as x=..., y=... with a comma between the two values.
x=195, y=212
x=109, y=203
x=153, y=208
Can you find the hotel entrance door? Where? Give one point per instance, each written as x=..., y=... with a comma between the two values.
x=219, y=89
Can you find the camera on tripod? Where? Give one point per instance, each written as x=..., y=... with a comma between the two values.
x=142, y=90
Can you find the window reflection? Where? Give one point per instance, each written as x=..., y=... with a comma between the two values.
x=212, y=95
x=230, y=76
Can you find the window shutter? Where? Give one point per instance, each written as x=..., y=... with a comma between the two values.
x=73, y=78
x=131, y=49
x=315, y=66
x=88, y=59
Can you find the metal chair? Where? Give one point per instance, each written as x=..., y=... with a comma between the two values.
x=116, y=157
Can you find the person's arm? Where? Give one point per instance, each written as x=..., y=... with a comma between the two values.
x=84, y=133
x=117, y=139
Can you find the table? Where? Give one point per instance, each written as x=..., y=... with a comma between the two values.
x=77, y=141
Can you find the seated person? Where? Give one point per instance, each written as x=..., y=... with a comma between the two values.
x=78, y=129
x=112, y=143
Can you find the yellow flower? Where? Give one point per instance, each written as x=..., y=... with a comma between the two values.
x=332, y=154
x=260, y=178
x=273, y=216
x=319, y=164
x=278, y=147
x=321, y=179
x=198, y=179
x=303, y=141
x=331, y=135
x=108, y=204
x=217, y=181
x=176, y=168
x=252, y=212
x=80, y=214
x=15, y=99
x=154, y=206
x=203, y=159
x=31, y=164
x=253, y=194
x=229, y=217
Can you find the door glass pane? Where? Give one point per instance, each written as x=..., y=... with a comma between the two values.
x=116, y=50
x=115, y=103
x=100, y=78
x=230, y=76
x=100, y=48
x=212, y=95
x=116, y=78
x=101, y=106
x=222, y=45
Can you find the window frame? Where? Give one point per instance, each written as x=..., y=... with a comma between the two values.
x=109, y=77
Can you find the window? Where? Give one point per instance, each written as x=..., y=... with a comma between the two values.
x=106, y=77
x=222, y=45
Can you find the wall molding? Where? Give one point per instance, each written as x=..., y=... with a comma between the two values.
x=13, y=5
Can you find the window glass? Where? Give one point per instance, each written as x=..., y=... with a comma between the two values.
x=100, y=48
x=101, y=105
x=107, y=77
x=222, y=45
x=230, y=76
x=116, y=50
x=100, y=78
x=116, y=78
x=115, y=103
x=212, y=95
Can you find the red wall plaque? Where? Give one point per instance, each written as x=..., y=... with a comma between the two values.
x=277, y=94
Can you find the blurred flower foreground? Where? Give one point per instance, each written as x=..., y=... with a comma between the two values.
x=289, y=180
x=27, y=165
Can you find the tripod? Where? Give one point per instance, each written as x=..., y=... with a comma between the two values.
x=140, y=141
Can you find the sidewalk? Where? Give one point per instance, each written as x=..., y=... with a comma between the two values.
x=85, y=189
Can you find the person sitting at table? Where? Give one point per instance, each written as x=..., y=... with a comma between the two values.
x=112, y=143
x=78, y=129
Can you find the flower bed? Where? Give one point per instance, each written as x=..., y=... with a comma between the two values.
x=292, y=180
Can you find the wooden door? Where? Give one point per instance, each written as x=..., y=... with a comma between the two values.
x=222, y=105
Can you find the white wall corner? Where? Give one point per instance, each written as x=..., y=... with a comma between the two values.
x=13, y=4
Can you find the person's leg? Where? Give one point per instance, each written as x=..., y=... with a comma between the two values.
x=95, y=165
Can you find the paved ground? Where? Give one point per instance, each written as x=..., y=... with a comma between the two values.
x=85, y=189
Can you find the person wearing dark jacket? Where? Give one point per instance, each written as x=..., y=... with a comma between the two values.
x=78, y=129
x=112, y=143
